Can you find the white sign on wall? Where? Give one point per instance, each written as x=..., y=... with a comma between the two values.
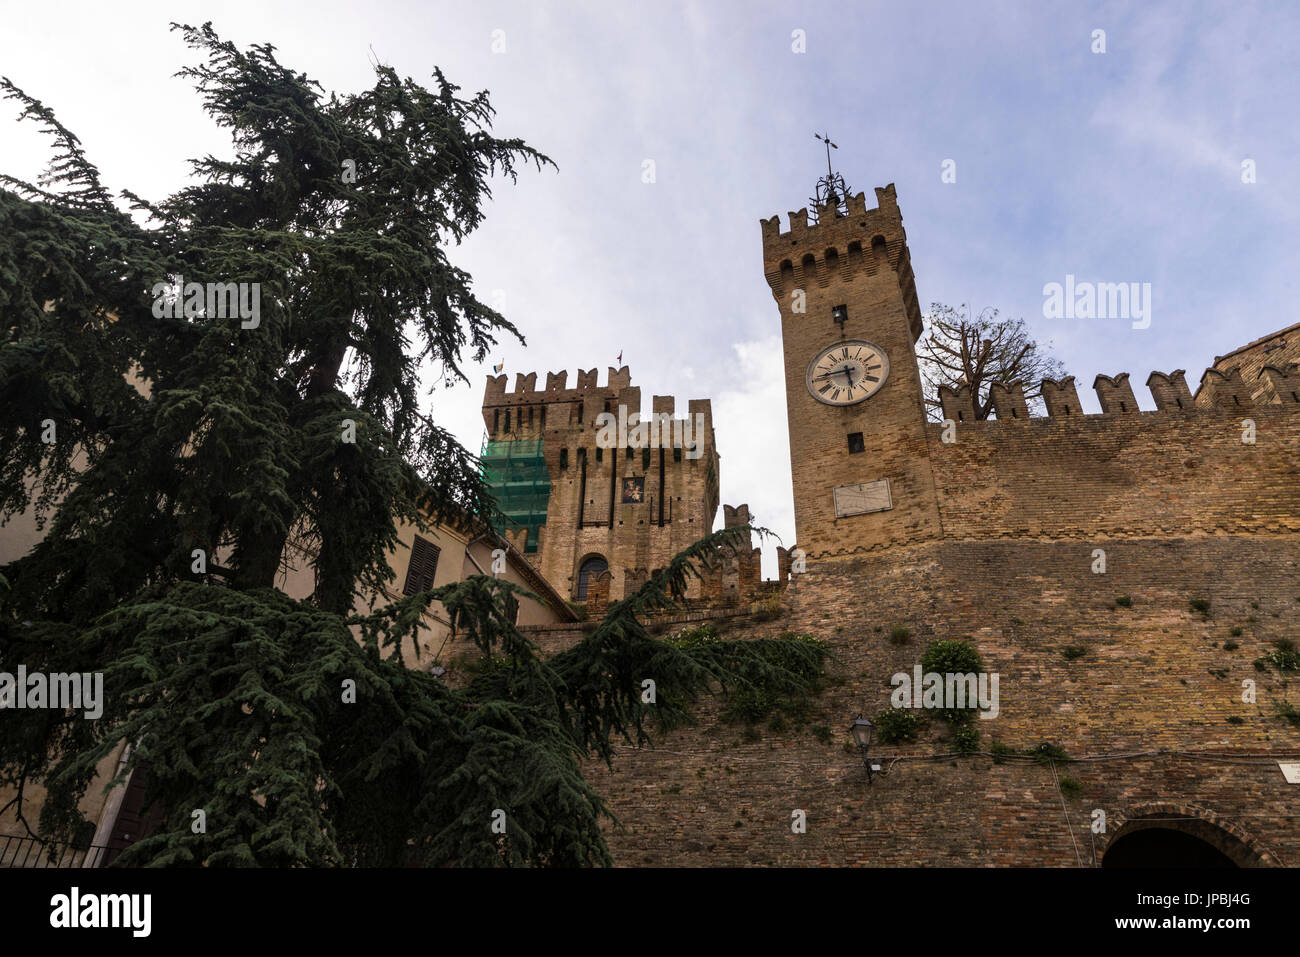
x=862, y=498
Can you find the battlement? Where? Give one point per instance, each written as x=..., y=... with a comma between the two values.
x=733, y=516
x=1223, y=391
x=884, y=219
x=1219, y=391
x=839, y=248
x=556, y=386
x=532, y=413
x=1281, y=384
x=1170, y=391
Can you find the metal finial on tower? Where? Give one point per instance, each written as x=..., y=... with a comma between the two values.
x=832, y=191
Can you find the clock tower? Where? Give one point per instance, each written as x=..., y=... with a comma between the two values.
x=859, y=441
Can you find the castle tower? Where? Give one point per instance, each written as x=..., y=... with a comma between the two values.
x=594, y=493
x=849, y=323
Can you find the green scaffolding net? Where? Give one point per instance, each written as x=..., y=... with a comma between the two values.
x=516, y=472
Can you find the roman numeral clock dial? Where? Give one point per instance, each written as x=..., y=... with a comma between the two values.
x=847, y=372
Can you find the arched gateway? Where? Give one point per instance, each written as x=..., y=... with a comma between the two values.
x=1177, y=835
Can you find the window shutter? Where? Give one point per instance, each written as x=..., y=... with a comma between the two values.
x=423, y=565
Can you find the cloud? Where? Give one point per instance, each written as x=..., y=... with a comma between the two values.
x=754, y=442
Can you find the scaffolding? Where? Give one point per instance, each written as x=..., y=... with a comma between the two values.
x=516, y=472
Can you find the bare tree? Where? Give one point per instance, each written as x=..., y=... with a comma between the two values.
x=957, y=347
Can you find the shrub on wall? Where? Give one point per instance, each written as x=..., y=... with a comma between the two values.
x=897, y=724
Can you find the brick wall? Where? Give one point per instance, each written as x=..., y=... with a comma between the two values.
x=1155, y=677
x=585, y=514
x=1141, y=473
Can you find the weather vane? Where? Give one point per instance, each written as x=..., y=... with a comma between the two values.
x=832, y=191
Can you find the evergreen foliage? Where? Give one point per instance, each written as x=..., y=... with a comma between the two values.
x=232, y=691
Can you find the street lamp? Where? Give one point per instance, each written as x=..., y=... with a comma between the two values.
x=863, y=731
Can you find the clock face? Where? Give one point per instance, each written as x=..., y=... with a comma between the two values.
x=847, y=372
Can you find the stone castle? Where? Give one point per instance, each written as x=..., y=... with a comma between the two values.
x=1131, y=579
x=596, y=504
x=1132, y=576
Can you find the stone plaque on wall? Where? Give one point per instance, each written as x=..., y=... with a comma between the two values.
x=862, y=498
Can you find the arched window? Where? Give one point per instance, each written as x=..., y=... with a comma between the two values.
x=591, y=569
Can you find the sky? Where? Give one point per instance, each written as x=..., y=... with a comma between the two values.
x=1127, y=165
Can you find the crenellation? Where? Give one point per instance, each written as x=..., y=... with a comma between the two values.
x=884, y=219
x=957, y=404
x=619, y=378
x=1220, y=392
x=1170, y=391
x=798, y=224
x=1115, y=394
x=1060, y=396
x=557, y=381
x=702, y=407
x=525, y=382
x=663, y=405
x=586, y=380
x=1224, y=391
x=1008, y=400
x=1281, y=386
x=735, y=516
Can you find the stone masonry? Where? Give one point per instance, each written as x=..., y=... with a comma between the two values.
x=1129, y=576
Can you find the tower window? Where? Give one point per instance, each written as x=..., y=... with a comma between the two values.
x=600, y=453
x=1180, y=402
x=591, y=569
x=840, y=314
x=1123, y=407
x=564, y=458
x=677, y=453
x=856, y=444
x=507, y=420
x=422, y=566
x=645, y=458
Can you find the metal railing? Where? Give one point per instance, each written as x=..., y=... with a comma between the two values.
x=29, y=852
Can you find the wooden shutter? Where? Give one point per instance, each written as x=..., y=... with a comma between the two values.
x=424, y=563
